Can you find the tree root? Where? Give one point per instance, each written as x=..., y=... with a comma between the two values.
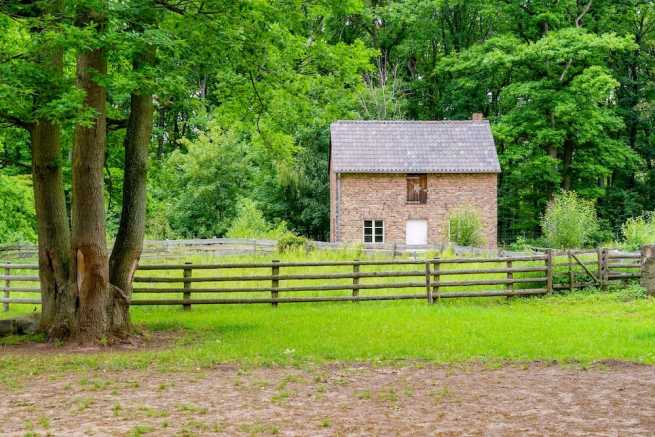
x=24, y=325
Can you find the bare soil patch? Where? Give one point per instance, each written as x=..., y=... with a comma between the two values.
x=345, y=399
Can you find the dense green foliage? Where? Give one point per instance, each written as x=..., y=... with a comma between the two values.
x=199, y=188
x=18, y=223
x=250, y=223
x=245, y=93
x=569, y=221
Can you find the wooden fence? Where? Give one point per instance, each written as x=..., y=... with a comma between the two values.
x=359, y=280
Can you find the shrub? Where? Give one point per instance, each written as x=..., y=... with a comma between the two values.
x=465, y=227
x=291, y=242
x=569, y=221
x=631, y=292
x=638, y=231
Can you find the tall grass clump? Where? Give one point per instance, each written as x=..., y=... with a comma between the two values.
x=569, y=221
x=638, y=231
x=465, y=227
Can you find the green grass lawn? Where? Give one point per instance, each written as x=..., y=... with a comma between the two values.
x=581, y=327
x=578, y=327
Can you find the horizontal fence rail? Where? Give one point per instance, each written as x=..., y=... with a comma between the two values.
x=278, y=282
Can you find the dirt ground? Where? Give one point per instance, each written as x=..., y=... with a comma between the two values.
x=612, y=399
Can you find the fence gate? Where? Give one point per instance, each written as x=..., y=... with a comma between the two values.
x=574, y=260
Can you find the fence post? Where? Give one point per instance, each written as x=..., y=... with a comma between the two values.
x=549, y=271
x=604, y=263
x=188, y=271
x=355, y=279
x=647, y=262
x=5, y=306
x=436, y=277
x=509, y=287
x=568, y=253
x=275, y=282
x=599, y=255
x=428, y=287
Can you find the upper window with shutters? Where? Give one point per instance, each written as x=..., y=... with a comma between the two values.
x=417, y=188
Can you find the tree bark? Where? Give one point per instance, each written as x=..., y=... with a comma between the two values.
x=129, y=240
x=58, y=291
x=89, y=245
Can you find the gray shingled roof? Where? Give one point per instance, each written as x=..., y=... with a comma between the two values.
x=413, y=147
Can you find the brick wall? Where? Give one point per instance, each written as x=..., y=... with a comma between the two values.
x=383, y=197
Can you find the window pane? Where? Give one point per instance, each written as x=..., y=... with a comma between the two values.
x=379, y=231
x=368, y=231
x=373, y=231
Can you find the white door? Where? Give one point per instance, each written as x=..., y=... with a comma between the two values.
x=416, y=232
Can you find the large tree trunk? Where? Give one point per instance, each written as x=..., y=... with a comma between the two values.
x=129, y=241
x=89, y=245
x=58, y=291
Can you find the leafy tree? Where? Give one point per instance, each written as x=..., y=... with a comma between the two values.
x=85, y=290
x=557, y=125
x=201, y=187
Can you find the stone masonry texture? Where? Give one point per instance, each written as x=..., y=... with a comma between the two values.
x=375, y=196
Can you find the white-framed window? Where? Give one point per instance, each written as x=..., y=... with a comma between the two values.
x=373, y=231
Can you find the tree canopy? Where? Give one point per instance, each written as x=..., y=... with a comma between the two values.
x=243, y=94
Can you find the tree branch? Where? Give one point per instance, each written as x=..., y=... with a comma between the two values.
x=15, y=121
x=578, y=23
x=566, y=69
x=171, y=7
x=584, y=12
x=262, y=107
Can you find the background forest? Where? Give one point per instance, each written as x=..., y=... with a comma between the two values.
x=245, y=94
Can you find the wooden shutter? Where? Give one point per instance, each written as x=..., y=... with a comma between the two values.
x=417, y=188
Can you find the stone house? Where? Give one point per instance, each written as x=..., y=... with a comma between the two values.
x=397, y=181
